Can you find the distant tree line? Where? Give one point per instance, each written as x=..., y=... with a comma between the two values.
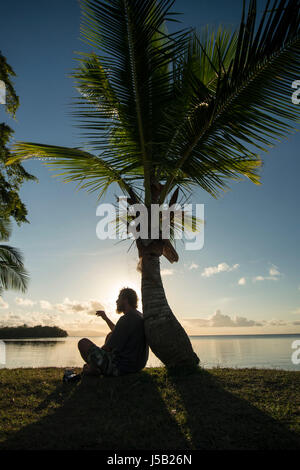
x=38, y=331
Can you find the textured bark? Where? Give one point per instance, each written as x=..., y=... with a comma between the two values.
x=165, y=335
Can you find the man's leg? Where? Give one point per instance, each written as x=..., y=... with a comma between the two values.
x=108, y=367
x=84, y=346
x=107, y=337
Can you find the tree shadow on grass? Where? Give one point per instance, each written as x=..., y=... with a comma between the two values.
x=101, y=413
x=225, y=421
x=129, y=412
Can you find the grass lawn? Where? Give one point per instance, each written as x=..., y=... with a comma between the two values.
x=212, y=409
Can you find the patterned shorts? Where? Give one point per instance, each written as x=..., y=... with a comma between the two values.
x=104, y=361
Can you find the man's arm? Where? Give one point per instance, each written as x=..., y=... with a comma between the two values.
x=102, y=314
x=119, y=337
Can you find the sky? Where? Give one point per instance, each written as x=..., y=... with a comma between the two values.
x=245, y=279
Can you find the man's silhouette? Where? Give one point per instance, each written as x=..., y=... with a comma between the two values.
x=125, y=349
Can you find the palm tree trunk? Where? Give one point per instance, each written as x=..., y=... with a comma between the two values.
x=165, y=335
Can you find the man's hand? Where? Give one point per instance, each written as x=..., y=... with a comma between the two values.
x=102, y=314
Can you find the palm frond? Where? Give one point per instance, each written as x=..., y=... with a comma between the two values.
x=5, y=229
x=12, y=272
x=177, y=110
x=250, y=105
x=88, y=171
x=129, y=82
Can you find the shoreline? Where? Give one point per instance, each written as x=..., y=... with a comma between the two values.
x=155, y=368
x=253, y=335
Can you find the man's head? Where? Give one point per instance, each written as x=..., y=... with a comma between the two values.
x=127, y=300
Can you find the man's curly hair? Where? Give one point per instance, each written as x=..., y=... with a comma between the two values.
x=130, y=295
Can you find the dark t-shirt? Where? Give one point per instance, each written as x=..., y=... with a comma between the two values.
x=129, y=342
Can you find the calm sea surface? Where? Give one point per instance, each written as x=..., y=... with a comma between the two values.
x=264, y=351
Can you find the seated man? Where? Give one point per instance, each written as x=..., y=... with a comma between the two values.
x=125, y=349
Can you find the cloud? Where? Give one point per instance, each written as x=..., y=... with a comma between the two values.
x=167, y=272
x=275, y=322
x=274, y=275
x=273, y=271
x=226, y=300
x=74, y=306
x=221, y=267
x=3, y=304
x=72, y=315
x=73, y=322
x=24, y=302
x=76, y=316
x=219, y=320
x=296, y=311
x=66, y=320
x=194, y=266
x=66, y=306
x=44, y=304
x=242, y=281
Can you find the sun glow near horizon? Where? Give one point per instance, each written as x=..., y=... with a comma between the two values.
x=112, y=295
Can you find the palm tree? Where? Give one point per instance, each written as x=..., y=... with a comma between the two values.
x=12, y=272
x=166, y=112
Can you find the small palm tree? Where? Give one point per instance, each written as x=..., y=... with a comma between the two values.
x=165, y=112
x=12, y=272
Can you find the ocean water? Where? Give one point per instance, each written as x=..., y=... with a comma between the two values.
x=261, y=351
